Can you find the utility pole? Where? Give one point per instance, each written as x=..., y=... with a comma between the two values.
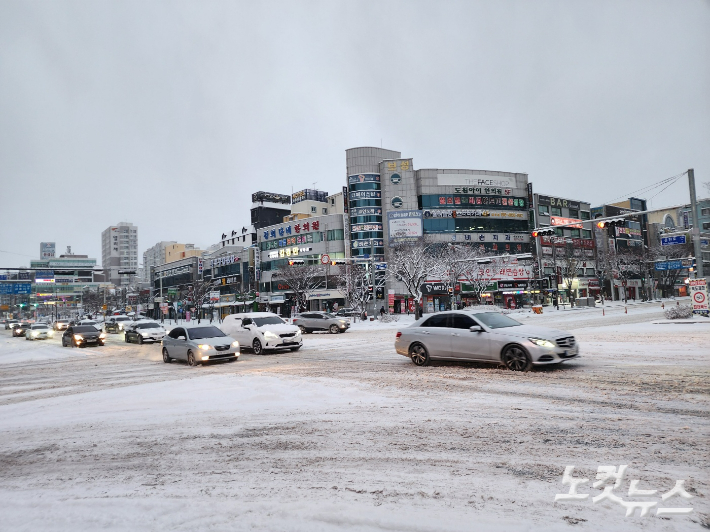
x=696, y=223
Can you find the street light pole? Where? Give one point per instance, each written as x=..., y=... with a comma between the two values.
x=696, y=223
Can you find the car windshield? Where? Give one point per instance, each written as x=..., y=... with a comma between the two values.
x=148, y=326
x=204, y=332
x=268, y=320
x=85, y=328
x=39, y=327
x=495, y=320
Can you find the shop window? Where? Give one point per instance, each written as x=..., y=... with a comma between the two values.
x=548, y=270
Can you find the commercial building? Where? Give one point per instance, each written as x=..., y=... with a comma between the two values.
x=269, y=208
x=567, y=258
x=119, y=251
x=154, y=256
x=389, y=200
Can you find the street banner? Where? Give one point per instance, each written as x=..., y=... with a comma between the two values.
x=699, y=295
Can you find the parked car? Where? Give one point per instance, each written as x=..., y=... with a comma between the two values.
x=320, y=321
x=39, y=331
x=347, y=312
x=19, y=329
x=143, y=331
x=60, y=325
x=82, y=335
x=198, y=345
x=486, y=337
x=9, y=324
x=115, y=324
x=262, y=331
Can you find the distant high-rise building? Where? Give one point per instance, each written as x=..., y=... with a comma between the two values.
x=154, y=256
x=119, y=252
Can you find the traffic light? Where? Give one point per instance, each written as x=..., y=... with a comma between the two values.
x=296, y=262
x=380, y=292
x=692, y=267
x=451, y=291
x=337, y=262
x=545, y=231
x=613, y=222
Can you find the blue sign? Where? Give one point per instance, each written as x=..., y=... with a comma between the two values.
x=15, y=288
x=3, y=277
x=672, y=240
x=381, y=266
x=669, y=265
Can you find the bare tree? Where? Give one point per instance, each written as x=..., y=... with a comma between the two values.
x=570, y=265
x=667, y=277
x=197, y=294
x=411, y=263
x=302, y=281
x=479, y=273
x=353, y=281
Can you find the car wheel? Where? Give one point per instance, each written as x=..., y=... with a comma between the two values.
x=166, y=357
x=140, y=339
x=419, y=355
x=334, y=329
x=515, y=358
x=256, y=346
x=303, y=329
x=295, y=348
x=191, y=360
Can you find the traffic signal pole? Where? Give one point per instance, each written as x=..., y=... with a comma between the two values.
x=696, y=223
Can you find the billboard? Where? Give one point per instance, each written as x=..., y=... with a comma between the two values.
x=404, y=225
x=47, y=250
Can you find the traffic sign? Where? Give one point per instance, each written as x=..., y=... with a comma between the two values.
x=381, y=266
x=325, y=258
x=698, y=295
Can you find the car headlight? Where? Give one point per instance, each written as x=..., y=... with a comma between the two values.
x=102, y=335
x=35, y=333
x=235, y=344
x=541, y=342
x=50, y=334
x=78, y=337
x=271, y=336
x=120, y=327
x=343, y=321
x=204, y=347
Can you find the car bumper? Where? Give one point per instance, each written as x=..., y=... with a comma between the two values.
x=211, y=355
x=284, y=343
x=401, y=348
x=552, y=355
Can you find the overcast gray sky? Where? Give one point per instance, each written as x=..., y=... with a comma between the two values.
x=170, y=114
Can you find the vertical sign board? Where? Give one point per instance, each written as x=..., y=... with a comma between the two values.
x=699, y=295
x=390, y=300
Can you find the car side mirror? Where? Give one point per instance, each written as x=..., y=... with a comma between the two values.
x=475, y=328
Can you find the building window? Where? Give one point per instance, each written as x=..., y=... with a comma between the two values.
x=543, y=209
x=574, y=213
x=555, y=211
x=574, y=233
x=586, y=233
x=549, y=270
x=559, y=232
x=704, y=212
x=584, y=215
x=335, y=234
x=591, y=272
x=706, y=225
x=325, y=210
x=314, y=210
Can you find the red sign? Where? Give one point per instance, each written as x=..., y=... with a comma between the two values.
x=570, y=222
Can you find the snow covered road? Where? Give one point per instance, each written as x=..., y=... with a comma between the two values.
x=347, y=435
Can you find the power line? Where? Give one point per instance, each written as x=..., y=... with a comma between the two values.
x=648, y=188
x=13, y=253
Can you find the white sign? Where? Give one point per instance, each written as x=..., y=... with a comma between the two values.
x=475, y=180
x=404, y=225
x=47, y=250
x=324, y=259
x=214, y=297
x=698, y=295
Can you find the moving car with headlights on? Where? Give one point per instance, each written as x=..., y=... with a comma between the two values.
x=82, y=335
x=484, y=337
x=144, y=331
x=320, y=321
x=262, y=331
x=198, y=345
x=20, y=329
x=61, y=325
x=39, y=331
x=115, y=324
x=9, y=324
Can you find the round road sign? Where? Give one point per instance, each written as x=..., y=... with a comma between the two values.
x=324, y=259
x=699, y=298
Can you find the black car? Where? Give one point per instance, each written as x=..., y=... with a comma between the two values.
x=114, y=323
x=20, y=329
x=82, y=335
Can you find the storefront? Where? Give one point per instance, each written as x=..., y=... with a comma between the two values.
x=326, y=300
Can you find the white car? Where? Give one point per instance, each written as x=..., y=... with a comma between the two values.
x=262, y=331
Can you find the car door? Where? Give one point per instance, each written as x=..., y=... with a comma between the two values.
x=435, y=334
x=466, y=344
x=177, y=347
x=247, y=332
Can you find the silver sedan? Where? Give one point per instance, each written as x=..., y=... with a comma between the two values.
x=484, y=337
x=198, y=345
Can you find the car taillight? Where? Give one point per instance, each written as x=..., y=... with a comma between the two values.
x=399, y=334
x=295, y=320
